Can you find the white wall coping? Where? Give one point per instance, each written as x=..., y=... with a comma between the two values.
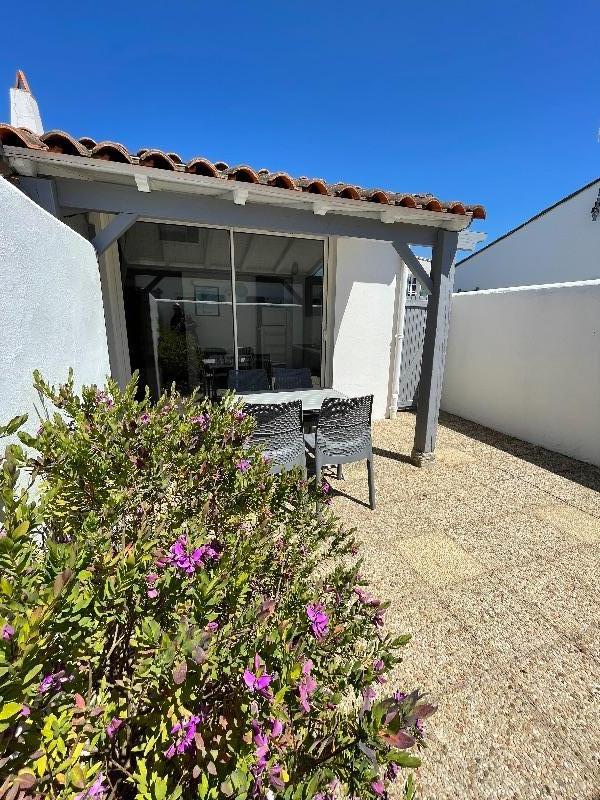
x=533, y=288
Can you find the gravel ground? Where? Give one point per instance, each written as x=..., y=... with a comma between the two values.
x=491, y=560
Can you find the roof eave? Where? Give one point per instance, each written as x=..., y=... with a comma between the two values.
x=58, y=165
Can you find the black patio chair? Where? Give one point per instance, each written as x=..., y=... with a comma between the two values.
x=279, y=433
x=343, y=435
x=247, y=380
x=284, y=378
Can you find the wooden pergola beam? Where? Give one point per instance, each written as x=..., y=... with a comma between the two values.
x=79, y=195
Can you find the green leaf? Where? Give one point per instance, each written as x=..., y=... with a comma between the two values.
x=404, y=759
x=10, y=710
x=13, y=425
x=21, y=529
x=31, y=674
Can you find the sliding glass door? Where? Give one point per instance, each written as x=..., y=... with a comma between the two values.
x=184, y=324
x=279, y=302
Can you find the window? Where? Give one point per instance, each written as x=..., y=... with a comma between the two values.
x=188, y=322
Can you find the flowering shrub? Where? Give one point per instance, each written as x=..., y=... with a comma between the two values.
x=178, y=623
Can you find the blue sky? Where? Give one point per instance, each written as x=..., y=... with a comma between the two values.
x=497, y=103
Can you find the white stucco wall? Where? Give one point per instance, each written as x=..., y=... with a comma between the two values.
x=51, y=314
x=561, y=245
x=527, y=362
x=365, y=282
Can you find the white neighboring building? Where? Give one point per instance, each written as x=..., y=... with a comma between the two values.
x=560, y=244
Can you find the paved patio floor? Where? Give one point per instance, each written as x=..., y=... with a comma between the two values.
x=491, y=560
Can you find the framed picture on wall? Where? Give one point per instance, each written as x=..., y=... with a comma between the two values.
x=207, y=301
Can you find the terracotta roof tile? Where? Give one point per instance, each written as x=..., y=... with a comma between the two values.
x=20, y=137
x=202, y=166
x=61, y=142
x=111, y=151
x=242, y=173
x=156, y=159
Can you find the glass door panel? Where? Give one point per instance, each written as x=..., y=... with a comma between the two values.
x=178, y=306
x=279, y=302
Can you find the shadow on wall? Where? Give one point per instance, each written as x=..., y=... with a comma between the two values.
x=577, y=471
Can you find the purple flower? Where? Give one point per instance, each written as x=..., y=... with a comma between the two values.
x=52, y=681
x=318, y=619
x=25, y=711
x=212, y=626
x=377, y=619
x=239, y=415
x=378, y=787
x=307, y=685
x=369, y=694
x=7, y=631
x=275, y=776
x=202, y=420
x=243, y=465
x=261, y=745
x=144, y=418
x=113, y=726
x=2, y=532
x=151, y=581
x=325, y=487
x=183, y=733
x=97, y=789
x=188, y=560
x=102, y=397
x=259, y=680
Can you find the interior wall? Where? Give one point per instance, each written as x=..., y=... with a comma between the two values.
x=365, y=280
x=51, y=314
x=527, y=362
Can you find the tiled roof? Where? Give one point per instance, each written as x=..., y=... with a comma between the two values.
x=61, y=142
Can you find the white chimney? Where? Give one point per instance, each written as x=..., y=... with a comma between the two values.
x=24, y=111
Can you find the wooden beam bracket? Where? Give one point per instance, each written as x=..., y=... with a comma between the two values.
x=115, y=228
x=414, y=265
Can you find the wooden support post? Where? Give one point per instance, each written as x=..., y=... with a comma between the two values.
x=434, y=348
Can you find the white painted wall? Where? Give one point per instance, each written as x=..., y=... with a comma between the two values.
x=526, y=362
x=365, y=281
x=561, y=245
x=51, y=315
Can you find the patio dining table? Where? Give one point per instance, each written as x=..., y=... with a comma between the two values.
x=312, y=399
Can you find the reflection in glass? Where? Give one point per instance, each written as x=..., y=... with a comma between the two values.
x=180, y=312
x=178, y=305
x=279, y=302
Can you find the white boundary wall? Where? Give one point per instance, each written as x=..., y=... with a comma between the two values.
x=526, y=361
x=51, y=312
